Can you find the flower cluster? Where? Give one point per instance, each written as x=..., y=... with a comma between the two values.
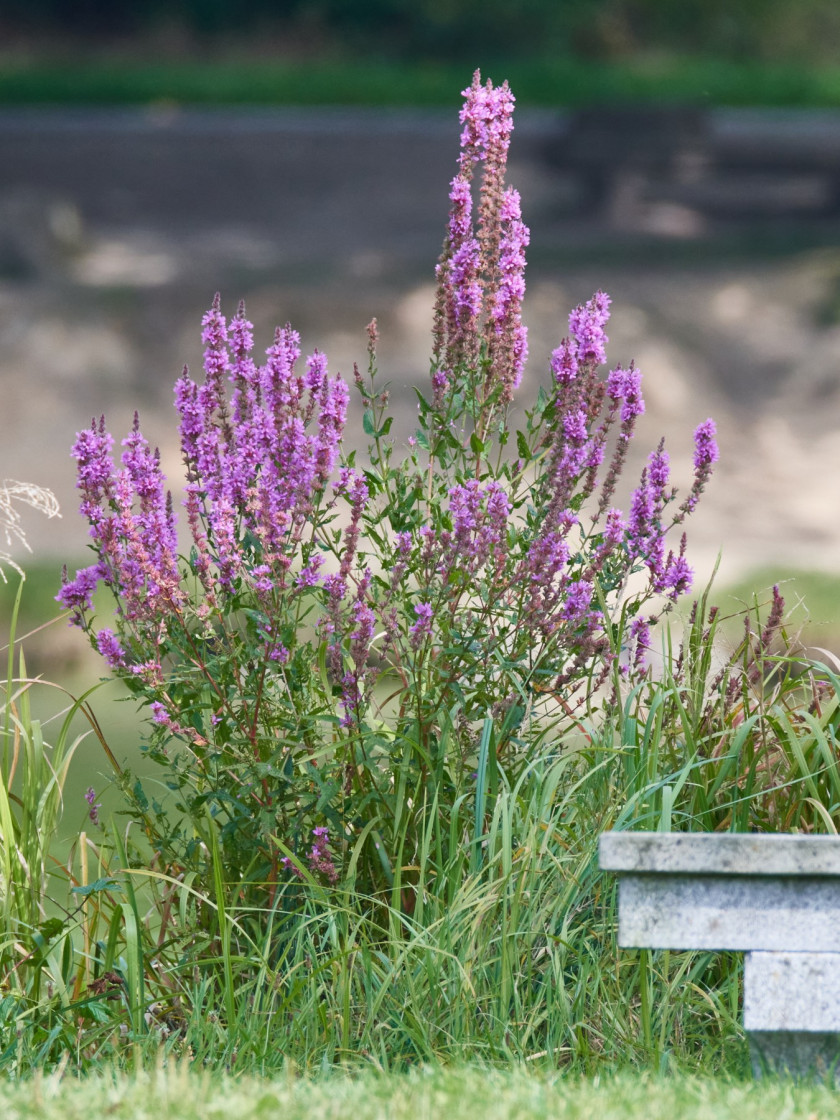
x=319, y=857
x=479, y=525
x=132, y=527
x=93, y=805
x=254, y=467
x=335, y=631
x=254, y=473
x=481, y=273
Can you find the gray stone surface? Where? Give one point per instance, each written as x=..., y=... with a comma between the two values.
x=729, y=912
x=792, y=992
x=795, y=1053
x=720, y=853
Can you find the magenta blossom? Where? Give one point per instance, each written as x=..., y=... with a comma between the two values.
x=422, y=628
x=93, y=805
x=587, y=323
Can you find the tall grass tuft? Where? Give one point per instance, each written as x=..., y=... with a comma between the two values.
x=496, y=940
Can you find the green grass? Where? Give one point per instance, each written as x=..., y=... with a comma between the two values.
x=549, y=82
x=425, y=1094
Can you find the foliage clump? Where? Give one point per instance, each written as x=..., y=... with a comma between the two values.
x=332, y=649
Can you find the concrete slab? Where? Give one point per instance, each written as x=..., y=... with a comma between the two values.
x=729, y=913
x=714, y=853
x=792, y=992
x=795, y=1054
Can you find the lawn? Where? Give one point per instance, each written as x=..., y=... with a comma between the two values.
x=424, y=1094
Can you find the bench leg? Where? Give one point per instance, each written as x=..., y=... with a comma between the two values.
x=792, y=1013
x=795, y=1054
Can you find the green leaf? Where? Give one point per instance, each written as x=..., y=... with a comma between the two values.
x=522, y=448
x=140, y=796
x=476, y=444
x=367, y=423
x=425, y=406
x=373, y=480
x=96, y=887
x=51, y=928
x=486, y=758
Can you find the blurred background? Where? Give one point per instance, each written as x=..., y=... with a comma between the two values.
x=685, y=157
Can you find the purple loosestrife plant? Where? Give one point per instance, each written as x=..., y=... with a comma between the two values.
x=332, y=643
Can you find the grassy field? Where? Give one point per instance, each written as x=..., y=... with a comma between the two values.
x=426, y=1094
x=359, y=81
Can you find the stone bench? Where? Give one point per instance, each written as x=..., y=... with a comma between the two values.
x=775, y=897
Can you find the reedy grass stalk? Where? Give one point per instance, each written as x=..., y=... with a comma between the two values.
x=515, y=960
x=31, y=789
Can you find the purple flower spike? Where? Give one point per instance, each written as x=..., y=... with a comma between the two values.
x=479, y=521
x=706, y=449
x=309, y=576
x=142, y=466
x=191, y=427
x=316, y=372
x=510, y=347
x=706, y=454
x=162, y=717
x=615, y=527
x=625, y=385
x=634, y=403
x=77, y=594
x=241, y=338
x=460, y=214
x=487, y=117
x=334, y=400
x=465, y=285
x=422, y=628
x=459, y=273
x=564, y=363
x=587, y=323
x=320, y=858
x=95, y=468
x=675, y=575
x=578, y=599
x=659, y=469
x=94, y=805
x=243, y=374
x=679, y=576
x=639, y=642
x=109, y=646
x=214, y=335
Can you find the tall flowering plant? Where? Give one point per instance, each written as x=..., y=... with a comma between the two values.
x=332, y=652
